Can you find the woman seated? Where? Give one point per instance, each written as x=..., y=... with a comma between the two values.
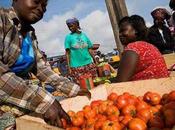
x=140, y=59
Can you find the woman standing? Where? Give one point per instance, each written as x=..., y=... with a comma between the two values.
x=78, y=51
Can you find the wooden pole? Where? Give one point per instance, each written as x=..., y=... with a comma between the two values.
x=117, y=10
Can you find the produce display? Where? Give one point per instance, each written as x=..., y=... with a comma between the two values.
x=103, y=80
x=104, y=69
x=126, y=112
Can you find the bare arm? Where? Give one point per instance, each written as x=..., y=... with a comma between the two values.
x=68, y=59
x=127, y=66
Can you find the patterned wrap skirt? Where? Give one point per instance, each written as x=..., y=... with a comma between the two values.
x=79, y=71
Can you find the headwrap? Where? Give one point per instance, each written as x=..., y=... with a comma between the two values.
x=160, y=13
x=172, y=4
x=71, y=20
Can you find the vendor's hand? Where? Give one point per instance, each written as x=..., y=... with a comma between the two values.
x=55, y=113
x=84, y=92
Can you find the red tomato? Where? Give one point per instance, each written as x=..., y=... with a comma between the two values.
x=129, y=110
x=111, y=125
x=90, y=114
x=98, y=125
x=169, y=117
x=77, y=120
x=113, y=97
x=87, y=108
x=152, y=98
x=102, y=108
x=113, y=118
x=140, y=98
x=90, y=121
x=144, y=114
x=156, y=121
x=80, y=113
x=164, y=99
x=126, y=120
x=170, y=105
x=167, y=129
x=132, y=100
x=71, y=113
x=137, y=124
x=171, y=96
x=158, y=106
x=112, y=110
x=73, y=128
x=99, y=121
x=101, y=117
x=95, y=103
x=89, y=127
x=104, y=105
x=126, y=94
x=154, y=111
x=90, y=124
x=141, y=105
x=154, y=128
x=108, y=102
x=121, y=102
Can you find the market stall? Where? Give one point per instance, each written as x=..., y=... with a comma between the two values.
x=161, y=86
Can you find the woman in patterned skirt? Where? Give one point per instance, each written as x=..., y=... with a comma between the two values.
x=79, y=52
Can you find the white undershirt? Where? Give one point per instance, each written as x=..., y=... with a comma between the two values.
x=161, y=32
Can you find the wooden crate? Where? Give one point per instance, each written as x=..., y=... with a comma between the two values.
x=161, y=86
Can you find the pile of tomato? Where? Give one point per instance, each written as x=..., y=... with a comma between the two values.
x=126, y=112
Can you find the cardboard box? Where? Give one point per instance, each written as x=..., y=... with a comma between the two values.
x=164, y=85
x=33, y=123
x=169, y=59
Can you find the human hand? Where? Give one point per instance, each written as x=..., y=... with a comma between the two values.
x=54, y=114
x=12, y=127
x=84, y=92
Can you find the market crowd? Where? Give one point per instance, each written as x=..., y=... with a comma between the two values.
x=20, y=58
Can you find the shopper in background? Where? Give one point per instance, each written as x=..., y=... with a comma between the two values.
x=171, y=20
x=159, y=34
x=79, y=53
x=62, y=66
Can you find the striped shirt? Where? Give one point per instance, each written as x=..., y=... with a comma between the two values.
x=17, y=90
